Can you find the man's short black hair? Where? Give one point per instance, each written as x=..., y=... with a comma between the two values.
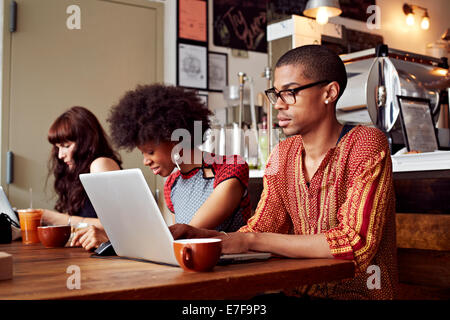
x=318, y=63
x=151, y=113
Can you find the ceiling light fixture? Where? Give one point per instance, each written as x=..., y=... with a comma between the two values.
x=322, y=10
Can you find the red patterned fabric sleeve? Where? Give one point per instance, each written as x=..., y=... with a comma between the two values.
x=168, y=189
x=271, y=214
x=362, y=216
x=231, y=167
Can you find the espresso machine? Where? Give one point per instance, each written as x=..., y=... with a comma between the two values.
x=378, y=76
x=238, y=135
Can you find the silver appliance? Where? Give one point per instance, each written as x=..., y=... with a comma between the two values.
x=239, y=134
x=377, y=76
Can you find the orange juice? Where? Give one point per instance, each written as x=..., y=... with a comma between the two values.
x=30, y=219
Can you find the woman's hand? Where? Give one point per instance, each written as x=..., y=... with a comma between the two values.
x=89, y=238
x=50, y=218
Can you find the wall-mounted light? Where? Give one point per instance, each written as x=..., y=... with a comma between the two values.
x=322, y=10
x=408, y=10
x=425, y=23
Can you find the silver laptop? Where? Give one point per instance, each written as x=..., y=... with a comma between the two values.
x=6, y=208
x=132, y=219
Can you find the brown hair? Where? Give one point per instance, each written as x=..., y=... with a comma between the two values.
x=77, y=125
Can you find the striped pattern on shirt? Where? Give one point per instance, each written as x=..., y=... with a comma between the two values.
x=350, y=199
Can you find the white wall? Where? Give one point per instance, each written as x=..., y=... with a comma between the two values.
x=1, y=79
x=1, y=48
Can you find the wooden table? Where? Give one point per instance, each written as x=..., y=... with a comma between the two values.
x=41, y=273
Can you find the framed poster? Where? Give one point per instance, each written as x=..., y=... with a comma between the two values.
x=418, y=124
x=192, y=66
x=203, y=98
x=217, y=71
x=193, y=20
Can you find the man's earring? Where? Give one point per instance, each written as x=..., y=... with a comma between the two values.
x=176, y=157
x=326, y=101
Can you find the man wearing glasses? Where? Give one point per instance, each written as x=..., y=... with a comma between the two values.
x=328, y=190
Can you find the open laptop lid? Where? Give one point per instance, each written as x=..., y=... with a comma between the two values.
x=5, y=206
x=129, y=213
x=132, y=219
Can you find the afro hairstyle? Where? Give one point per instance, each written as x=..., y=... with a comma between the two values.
x=151, y=113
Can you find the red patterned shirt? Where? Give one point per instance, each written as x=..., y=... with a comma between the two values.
x=350, y=199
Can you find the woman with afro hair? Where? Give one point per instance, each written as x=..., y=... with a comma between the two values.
x=202, y=189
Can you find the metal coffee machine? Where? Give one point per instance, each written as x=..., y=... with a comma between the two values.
x=376, y=77
x=239, y=132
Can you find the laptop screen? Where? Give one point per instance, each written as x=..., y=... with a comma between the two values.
x=5, y=206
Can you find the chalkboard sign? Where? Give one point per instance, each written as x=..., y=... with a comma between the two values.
x=240, y=24
x=282, y=9
x=355, y=9
x=358, y=40
x=352, y=41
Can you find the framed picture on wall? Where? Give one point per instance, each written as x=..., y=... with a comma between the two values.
x=217, y=71
x=417, y=124
x=193, y=20
x=192, y=66
x=204, y=98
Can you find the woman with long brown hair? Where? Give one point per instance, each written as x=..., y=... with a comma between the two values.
x=80, y=145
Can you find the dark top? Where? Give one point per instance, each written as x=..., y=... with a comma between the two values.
x=87, y=210
x=345, y=129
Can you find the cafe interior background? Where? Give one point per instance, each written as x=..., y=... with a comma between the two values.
x=60, y=53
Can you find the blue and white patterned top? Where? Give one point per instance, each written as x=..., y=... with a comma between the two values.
x=185, y=193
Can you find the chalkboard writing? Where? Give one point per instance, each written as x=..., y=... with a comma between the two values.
x=282, y=9
x=352, y=41
x=355, y=9
x=358, y=40
x=240, y=25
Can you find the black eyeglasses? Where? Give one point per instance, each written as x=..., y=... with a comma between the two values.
x=288, y=95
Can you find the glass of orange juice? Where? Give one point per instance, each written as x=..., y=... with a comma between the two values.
x=30, y=219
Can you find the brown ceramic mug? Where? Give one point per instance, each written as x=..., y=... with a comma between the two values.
x=200, y=254
x=30, y=219
x=54, y=236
